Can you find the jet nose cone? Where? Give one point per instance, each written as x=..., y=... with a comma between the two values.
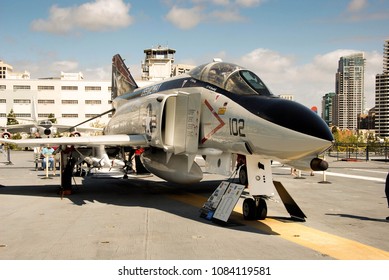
x=294, y=116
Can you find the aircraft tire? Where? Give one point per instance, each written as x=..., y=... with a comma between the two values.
x=6, y=135
x=243, y=175
x=249, y=209
x=261, y=210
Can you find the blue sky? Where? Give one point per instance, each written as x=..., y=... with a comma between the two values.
x=294, y=46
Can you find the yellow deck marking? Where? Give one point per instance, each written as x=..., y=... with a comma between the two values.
x=325, y=243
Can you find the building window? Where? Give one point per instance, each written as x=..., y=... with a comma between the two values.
x=23, y=115
x=91, y=115
x=45, y=87
x=3, y=115
x=3, y=87
x=3, y=100
x=19, y=87
x=69, y=101
x=69, y=87
x=46, y=101
x=22, y=101
x=46, y=115
x=92, y=88
x=92, y=102
x=70, y=115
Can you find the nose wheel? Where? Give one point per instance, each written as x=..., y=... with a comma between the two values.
x=243, y=175
x=254, y=209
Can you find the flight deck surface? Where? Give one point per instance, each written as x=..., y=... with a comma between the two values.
x=148, y=218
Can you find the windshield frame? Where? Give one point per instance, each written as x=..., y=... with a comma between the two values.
x=232, y=78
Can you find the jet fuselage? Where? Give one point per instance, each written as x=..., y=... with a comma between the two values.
x=259, y=124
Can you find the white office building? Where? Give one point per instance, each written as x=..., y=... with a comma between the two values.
x=71, y=98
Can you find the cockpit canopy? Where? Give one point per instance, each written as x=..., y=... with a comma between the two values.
x=231, y=77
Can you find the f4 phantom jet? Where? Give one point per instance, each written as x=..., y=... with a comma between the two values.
x=218, y=110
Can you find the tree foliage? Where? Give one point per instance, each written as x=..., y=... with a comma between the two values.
x=11, y=118
x=52, y=118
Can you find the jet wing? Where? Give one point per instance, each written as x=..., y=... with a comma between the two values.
x=15, y=128
x=69, y=128
x=108, y=140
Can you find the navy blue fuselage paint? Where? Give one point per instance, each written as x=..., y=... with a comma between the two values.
x=285, y=113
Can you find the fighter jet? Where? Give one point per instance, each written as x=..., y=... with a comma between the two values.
x=42, y=127
x=218, y=110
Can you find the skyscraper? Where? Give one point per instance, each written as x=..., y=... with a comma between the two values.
x=382, y=97
x=349, y=91
x=326, y=105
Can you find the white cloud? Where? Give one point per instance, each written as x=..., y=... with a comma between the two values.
x=227, y=16
x=47, y=66
x=185, y=18
x=99, y=15
x=311, y=81
x=99, y=73
x=357, y=11
x=267, y=60
x=220, y=2
x=248, y=3
x=214, y=10
x=64, y=66
x=356, y=5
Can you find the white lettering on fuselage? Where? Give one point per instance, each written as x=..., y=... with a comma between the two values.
x=150, y=90
x=211, y=88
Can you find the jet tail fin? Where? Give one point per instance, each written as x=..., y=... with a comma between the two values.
x=122, y=80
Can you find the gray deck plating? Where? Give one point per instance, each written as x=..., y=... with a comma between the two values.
x=151, y=219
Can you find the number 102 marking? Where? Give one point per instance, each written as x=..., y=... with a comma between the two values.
x=236, y=127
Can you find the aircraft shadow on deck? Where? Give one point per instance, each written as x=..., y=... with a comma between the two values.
x=362, y=218
x=141, y=193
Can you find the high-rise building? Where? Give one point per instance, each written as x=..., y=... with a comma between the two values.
x=382, y=96
x=326, y=105
x=349, y=88
x=367, y=121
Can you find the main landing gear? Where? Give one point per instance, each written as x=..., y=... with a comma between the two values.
x=254, y=209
